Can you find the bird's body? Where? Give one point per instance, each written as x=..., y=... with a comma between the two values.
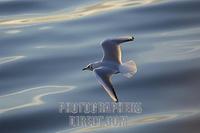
x=114, y=67
x=111, y=63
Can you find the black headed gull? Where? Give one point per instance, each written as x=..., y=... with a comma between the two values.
x=111, y=64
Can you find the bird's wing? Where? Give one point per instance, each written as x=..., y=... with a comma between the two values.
x=103, y=76
x=112, y=50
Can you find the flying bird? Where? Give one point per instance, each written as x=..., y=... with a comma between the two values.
x=111, y=63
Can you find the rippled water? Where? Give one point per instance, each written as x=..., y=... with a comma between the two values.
x=45, y=44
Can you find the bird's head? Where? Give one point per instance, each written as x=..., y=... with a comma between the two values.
x=88, y=67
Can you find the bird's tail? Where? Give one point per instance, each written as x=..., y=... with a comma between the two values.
x=128, y=69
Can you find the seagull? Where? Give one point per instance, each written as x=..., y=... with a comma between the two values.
x=111, y=63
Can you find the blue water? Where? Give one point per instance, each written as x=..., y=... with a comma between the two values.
x=45, y=44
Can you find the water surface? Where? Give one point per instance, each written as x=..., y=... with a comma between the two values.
x=45, y=44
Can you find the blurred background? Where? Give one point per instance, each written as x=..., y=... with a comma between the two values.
x=44, y=44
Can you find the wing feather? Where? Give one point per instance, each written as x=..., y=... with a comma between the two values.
x=103, y=76
x=112, y=49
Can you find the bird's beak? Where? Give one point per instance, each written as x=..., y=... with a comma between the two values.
x=84, y=68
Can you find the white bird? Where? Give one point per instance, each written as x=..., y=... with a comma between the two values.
x=111, y=64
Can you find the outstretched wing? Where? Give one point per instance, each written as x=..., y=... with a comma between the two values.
x=112, y=49
x=104, y=78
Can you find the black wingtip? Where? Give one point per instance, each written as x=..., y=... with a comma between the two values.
x=132, y=38
x=116, y=101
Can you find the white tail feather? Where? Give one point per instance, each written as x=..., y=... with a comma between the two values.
x=128, y=69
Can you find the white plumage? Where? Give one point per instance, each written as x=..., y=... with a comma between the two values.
x=111, y=63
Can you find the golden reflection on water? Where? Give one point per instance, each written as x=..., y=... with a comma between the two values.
x=77, y=13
